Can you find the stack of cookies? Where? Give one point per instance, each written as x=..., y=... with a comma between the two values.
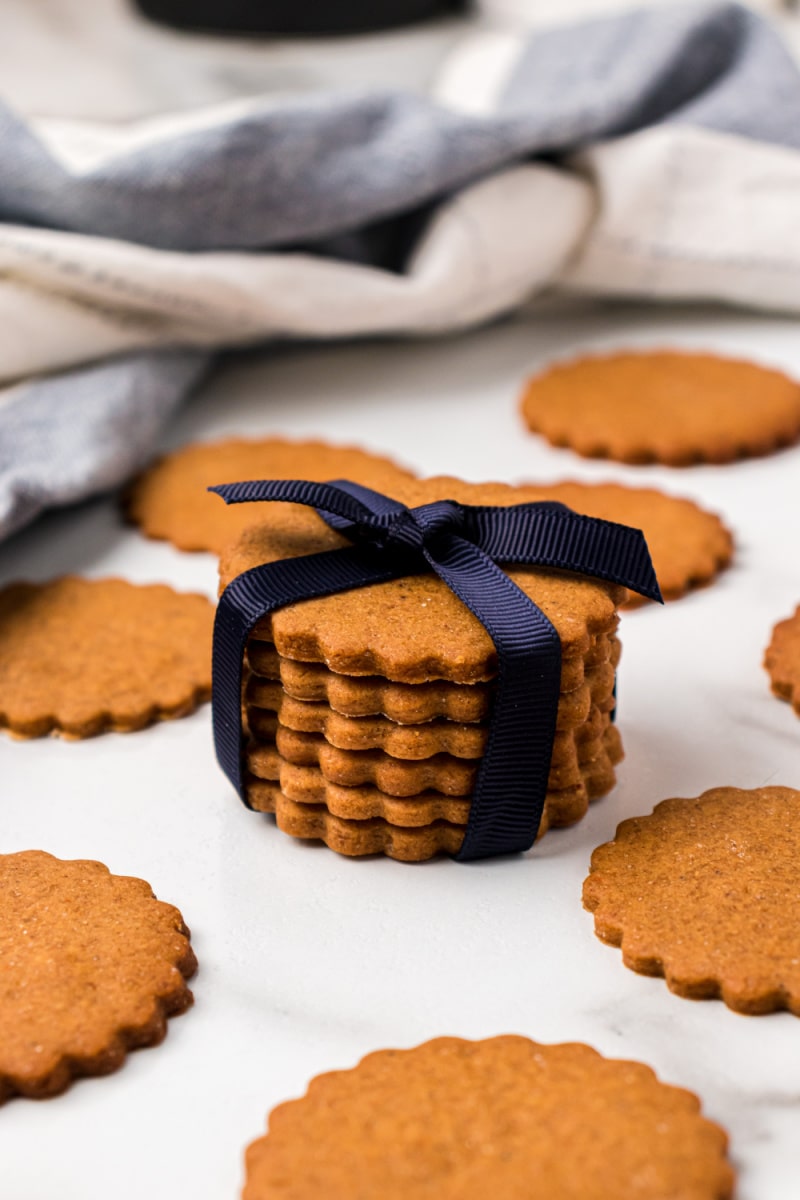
x=368, y=711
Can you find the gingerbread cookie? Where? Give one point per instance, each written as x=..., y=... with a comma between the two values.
x=782, y=660
x=308, y=787
x=407, y=704
x=378, y=824
x=667, y=406
x=408, y=777
x=413, y=629
x=370, y=696
x=419, y=740
x=91, y=966
x=355, y=839
x=704, y=892
x=688, y=545
x=170, y=499
x=82, y=656
x=399, y=777
x=505, y=1117
x=358, y=821
x=366, y=733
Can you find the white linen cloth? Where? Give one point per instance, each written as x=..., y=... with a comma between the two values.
x=653, y=154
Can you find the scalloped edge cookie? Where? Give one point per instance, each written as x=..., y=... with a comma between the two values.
x=676, y=407
x=169, y=501
x=419, y=740
x=404, y=777
x=359, y=821
x=703, y=892
x=464, y=1120
x=689, y=545
x=103, y=964
x=80, y=657
x=406, y=703
x=782, y=660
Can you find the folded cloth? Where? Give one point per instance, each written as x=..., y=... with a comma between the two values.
x=654, y=153
x=66, y=436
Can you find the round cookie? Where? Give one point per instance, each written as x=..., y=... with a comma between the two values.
x=688, y=545
x=419, y=740
x=411, y=741
x=408, y=830
x=358, y=821
x=505, y=1117
x=371, y=696
x=306, y=786
x=354, y=768
x=704, y=892
x=82, y=656
x=366, y=733
x=666, y=406
x=402, y=777
x=413, y=629
x=91, y=966
x=170, y=500
x=782, y=660
x=355, y=839
x=407, y=704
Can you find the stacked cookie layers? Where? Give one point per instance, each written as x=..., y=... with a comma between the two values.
x=368, y=712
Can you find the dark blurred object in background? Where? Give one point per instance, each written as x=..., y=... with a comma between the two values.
x=295, y=16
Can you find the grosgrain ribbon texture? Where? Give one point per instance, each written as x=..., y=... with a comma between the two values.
x=462, y=544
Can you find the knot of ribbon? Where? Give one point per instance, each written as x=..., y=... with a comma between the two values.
x=462, y=544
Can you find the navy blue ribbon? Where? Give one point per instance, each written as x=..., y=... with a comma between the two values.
x=462, y=544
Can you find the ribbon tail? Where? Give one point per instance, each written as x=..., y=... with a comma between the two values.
x=252, y=596
x=378, y=505
x=511, y=786
x=550, y=535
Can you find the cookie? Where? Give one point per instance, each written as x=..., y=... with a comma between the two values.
x=170, y=501
x=405, y=843
x=505, y=1117
x=354, y=808
x=413, y=629
x=366, y=733
x=83, y=656
x=566, y=805
x=407, y=777
x=355, y=839
x=91, y=966
x=782, y=660
x=307, y=786
x=370, y=696
x=398, y=777
x=354, y=820
x=407, y=704
x=421, y=740
x=704, y=892
x=688, y=545
x=401, y=777
x=667, y=406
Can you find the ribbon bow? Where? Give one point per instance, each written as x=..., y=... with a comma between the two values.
x=462, y=544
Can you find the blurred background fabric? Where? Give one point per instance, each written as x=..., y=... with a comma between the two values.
x=163, y=196
x=100, y=59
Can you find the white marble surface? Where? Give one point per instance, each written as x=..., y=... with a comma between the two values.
x=309, y=960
